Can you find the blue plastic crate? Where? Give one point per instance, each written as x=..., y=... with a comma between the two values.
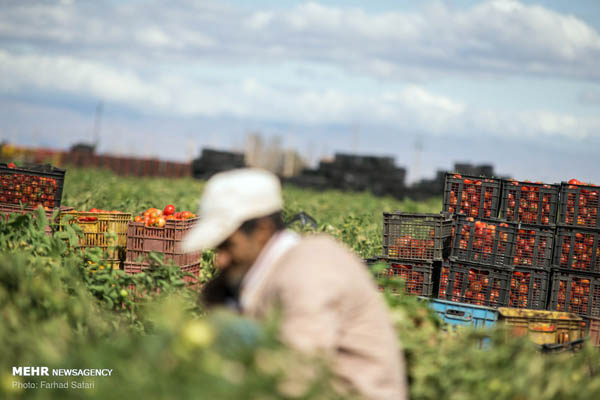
x=464, y=314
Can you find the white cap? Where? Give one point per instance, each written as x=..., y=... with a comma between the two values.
x=230, y=199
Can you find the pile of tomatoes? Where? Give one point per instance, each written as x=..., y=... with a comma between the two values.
x=521, y=284
x=92, y=218
x=413, y=278
x=525, y=202
x=476, y=283
x=28, y=189
x=579, y=295
x=582, y=201
x=485, y=237
x=582, y=253
x=526, y=251
x=468, y=200
x=408, y=247
x=158, y=218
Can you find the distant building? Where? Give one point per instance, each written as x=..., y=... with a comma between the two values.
x=271, y=156
x=355, y=173
x=213, y=161
x=83, y=148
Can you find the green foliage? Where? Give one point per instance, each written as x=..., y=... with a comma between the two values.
x=63, y=307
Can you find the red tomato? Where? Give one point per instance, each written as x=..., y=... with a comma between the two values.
x=139, y=218
x=12, y=165
x=94, y=210
x=574, y=182
x=186, y=215
x=155, y=213
x=169, y=209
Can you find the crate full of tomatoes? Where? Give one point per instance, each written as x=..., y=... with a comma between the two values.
x=32, y=185
x=418, y=276
x=484, y=241
x=579, y=204
x=529, y=288
x=578, y=293
x=577, y=249
x=474, y=284
x=160, y=231
x=424, y=237
x=106, y=229
x=533, y=247
x=528, y=202
x=472, y=196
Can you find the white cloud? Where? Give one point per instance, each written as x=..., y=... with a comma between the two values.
x=154, y=37
x=144, y=57
x=259, y=20
x=412, y=108
x=499, y=38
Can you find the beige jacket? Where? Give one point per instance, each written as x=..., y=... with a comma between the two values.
x=331, y=305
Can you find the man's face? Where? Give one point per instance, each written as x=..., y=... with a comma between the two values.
x=240, y=250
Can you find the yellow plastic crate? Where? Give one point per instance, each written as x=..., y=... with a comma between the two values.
x=542, y=327
x=95, y=231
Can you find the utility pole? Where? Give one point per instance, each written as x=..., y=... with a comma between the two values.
x=97, y=122
x=418, y=150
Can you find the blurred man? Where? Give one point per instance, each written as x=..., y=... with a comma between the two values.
x=328, y=301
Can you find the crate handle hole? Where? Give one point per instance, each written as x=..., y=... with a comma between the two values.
x=458, y=314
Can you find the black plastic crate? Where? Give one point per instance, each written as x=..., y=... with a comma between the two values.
x=472, y=196
x=579, y=205
x=578, y=293
x=32, y=185
x=577, y=249
x=418, y=277
x=484, y=241
x=530, y=203
x=474, y=284
x=423, y=237
x=529, y=288
x=533, y=247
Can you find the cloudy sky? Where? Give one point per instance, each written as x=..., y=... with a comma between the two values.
x=512, y=83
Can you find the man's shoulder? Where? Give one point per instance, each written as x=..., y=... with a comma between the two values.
x=319, y=254
x=320, y=246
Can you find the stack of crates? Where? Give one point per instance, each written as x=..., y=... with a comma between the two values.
x=533, y=206
x=480, y=268
x=576, y=258
x=502, y=243
x=414, y=245
x=141, y=240
x=24, y=188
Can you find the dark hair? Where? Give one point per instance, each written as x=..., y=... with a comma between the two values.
x=250, y=225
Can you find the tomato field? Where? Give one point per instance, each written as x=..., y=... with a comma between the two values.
x=65, y=308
